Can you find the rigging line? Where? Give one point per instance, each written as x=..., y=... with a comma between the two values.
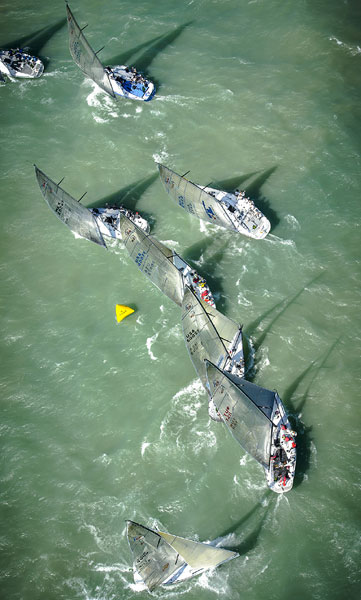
x=85, y=26
x=62, y=179
x=186, y=173
x=100, y=50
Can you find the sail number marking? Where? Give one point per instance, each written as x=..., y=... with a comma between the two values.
x=232, y=422
x=191, y=334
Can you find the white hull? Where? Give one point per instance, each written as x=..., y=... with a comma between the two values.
x=20, y=65
x=245, y=216
x=128, y=83
x=108, y=221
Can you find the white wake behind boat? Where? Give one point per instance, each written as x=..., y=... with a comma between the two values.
x=91, y=224
x=161, y=558
x=233, y=211
x=16, y=63
x=163, y=266
x=256, y=418
x=119, y=81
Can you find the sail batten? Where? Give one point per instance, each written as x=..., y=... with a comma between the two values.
x=78, y=218
x=85, y=57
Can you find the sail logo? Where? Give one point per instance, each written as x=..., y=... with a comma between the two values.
x=209, y=211
x=139, y=258
x=181, y=201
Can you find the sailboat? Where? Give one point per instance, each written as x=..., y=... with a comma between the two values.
x=16, y=63
x=161, y=558
x=233, y=211
x=116, y=81
x=163, y=266
x=93, y=224
x=256, y=418
x=210, y=335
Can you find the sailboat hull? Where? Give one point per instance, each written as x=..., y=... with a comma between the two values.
x=130, y=85
x=19, y=64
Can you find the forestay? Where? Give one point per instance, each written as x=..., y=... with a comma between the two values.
x=154, y=559
x=194, y=199
x=85, y=57
x=78, y=218
x=153, y=258
x=245, y=409
x=207, y=333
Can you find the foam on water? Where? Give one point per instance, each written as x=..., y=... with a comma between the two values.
x=101, y=422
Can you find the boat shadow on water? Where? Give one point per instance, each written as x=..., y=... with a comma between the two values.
x=250, y=540
x=37, y=40
x=128, y=197
x=153, y=48
x=304, y=439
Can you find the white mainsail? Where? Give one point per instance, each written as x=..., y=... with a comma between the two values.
x=153, y=258
x=194, y=199
x=85, y=57
x=246, y=410
x=207, y=333
x=78, y=218
x=162, y=558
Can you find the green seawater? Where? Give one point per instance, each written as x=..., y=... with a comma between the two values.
x=103, y=422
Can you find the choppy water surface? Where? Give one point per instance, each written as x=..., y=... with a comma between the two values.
x=104, y=422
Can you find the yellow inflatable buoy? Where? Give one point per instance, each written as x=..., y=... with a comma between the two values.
x=122, y=311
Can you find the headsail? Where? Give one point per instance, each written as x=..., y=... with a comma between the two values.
x=159, y=555
x=153, y=258
x=197, y=554
x=194, y=199
x=85, y=57
x=245, y=409
x=207, y=333
x=78, y=218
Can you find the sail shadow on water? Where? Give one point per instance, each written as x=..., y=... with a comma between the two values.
x=304, y=439
x=250, y=541
x=129, y=195
x=38, y=39
x=253, y=189
x=282, y=306
x=232, y=183
x=144, y=61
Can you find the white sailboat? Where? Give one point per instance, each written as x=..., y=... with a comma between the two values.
x=16, y=63
x=256, y=418
x=161, y=558
x=233, y=211
x=210, y=335
x=163, y=266
x=116, y=81
x=92, y=224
